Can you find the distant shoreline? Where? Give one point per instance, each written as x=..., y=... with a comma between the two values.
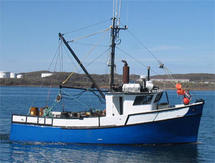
x=54, y=86
x=198, y=81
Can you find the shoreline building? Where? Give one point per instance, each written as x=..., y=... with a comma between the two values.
x=4, y=74
x=10, y=75
x=19, y=76
x=172, y=80
x=44, y=75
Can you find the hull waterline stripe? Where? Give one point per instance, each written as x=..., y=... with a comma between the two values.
x=103, y=127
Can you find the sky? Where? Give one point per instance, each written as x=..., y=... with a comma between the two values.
x=178, y=33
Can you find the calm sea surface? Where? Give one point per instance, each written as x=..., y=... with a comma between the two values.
x=19, y=99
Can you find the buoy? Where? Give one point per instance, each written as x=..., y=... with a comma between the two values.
x=186, y=101
x=41, y=112
x=180, y=92
x=178, y=86
x=34, y=111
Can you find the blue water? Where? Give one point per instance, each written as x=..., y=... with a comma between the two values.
x=19, y=99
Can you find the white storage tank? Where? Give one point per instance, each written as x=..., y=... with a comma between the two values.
x=12, y=75
x=19, y=76
x=43, y=75
x=4, y=74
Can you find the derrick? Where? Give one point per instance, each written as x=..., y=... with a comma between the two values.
x=81, y=65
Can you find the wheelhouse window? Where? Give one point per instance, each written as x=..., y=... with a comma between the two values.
x=142, y=100
x=158, y=97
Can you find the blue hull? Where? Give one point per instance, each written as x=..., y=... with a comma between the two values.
x=178, y=130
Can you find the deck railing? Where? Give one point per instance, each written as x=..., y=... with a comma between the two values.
x=32, y=119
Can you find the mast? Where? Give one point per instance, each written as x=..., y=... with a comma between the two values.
x=113, y=45
x=114, y=34
x=81, y=65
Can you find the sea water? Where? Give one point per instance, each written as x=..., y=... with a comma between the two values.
x=17, y=100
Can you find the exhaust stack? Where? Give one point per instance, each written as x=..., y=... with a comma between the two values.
x=148, y=77
x=125, y=77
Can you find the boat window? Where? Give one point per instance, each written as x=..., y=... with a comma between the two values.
x=141, y=100
x=158, y=97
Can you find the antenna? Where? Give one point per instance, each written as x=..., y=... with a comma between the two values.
x=120, y=4
x=116, y=10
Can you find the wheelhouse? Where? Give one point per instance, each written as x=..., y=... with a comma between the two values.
x=121, y=103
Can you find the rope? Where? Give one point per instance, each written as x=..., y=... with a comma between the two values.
x=72, y=60
x=92, y=49
x=89, y=44
x=75, y=99
x=47, y=112
x=161, y=65
x=88, y=26
x=92, y=34
x=66, y=80
x=56, y=52
x=135, y=59
x=97, y=57
x=149, y=51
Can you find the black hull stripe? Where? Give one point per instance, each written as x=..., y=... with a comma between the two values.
x=103, y=127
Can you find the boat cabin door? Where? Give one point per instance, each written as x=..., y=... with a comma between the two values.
x=118, y=103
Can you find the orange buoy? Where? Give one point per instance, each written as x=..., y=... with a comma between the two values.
x=186, y=101
x=41, y=112
x=178, y=86
x=34, y=111
x=180, y=92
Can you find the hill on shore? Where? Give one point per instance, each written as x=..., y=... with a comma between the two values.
x=197, y=80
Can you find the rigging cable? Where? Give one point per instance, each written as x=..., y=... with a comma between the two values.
x=89, y=35
x=61, y=59
x=70, y=57
x=67, y=79
x=149, y=51
x=77, y=96
x=56, y=52
x=126, y=53
x=161, y=65
x=91, y=44
x=75, y=99
x=103, y=53
x=49, y=69
x=88, y=26
x=93, y=48
x=86, y=66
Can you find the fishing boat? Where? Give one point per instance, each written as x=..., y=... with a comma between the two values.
x=134, y=113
